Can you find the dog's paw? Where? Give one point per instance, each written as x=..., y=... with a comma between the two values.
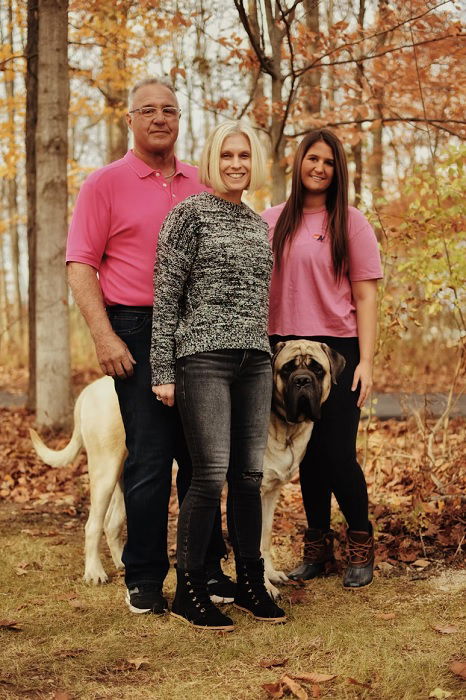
x=275, y=576
x=95, y=576
x=273, y=592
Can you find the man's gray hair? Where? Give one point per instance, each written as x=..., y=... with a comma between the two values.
x=150, y=81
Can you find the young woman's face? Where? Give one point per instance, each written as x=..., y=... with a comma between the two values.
x=235, y=162
x=317, y=168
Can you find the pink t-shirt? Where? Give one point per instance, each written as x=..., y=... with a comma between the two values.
x=305, y=300
x=116, y=222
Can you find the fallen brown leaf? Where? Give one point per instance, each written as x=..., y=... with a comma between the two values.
x=315, y=690
x=314, y=677
x=138, y=662
x=297, y=689
x=10, y=625
x=459, y=669
x=386, y=616
x=77, y=604
x=270, y=663
x=62, y=695
x=421, y=563
x=274, y=690
x=70, y=653
x=445, y=629
x=353, y=681
x=298, y=596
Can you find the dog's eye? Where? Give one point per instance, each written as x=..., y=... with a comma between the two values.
x=288, y=367
x=317, y=369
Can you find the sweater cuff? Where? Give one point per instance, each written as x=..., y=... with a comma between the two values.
x=163, y=375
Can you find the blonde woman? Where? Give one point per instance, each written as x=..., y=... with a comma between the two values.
x=210, y=352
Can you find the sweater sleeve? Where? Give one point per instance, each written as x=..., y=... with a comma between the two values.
x=176, y=249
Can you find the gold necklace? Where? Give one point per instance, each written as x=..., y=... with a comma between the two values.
x=317, y=236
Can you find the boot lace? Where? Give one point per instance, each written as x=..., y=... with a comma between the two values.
x=359, y=553
x=198, y=593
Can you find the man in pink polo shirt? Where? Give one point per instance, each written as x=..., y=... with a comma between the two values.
x=110, y=255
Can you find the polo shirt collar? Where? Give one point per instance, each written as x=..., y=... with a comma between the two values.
x=143, y=170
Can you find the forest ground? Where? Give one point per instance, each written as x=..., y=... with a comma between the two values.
x=401, y=638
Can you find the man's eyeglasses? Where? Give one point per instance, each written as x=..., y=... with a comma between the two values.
x=149, y=112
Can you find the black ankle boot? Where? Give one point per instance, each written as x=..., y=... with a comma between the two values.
x=360, y=571
x=251, y=593
x=318, y=559
x=193, y=605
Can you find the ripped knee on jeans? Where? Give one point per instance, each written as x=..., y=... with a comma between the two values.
x=252, y=476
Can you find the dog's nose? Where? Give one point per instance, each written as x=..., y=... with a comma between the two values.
x=301, y=382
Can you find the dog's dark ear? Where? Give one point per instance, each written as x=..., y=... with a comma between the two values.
x=276, y=349
x=337, y=362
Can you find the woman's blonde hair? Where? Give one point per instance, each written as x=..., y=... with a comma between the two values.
x=209, y=169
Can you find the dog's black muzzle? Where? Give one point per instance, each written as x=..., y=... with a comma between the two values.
x=303, y=396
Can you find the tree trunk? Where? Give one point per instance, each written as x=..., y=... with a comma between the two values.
x=12, y=193
x=53, y=352
x=357, y=147
x=311, y=79
x=31, y=123
x=376, y=160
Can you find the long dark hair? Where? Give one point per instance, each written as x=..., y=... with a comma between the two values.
x=336, y=203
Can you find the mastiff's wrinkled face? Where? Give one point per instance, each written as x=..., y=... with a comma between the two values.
x=303, y=372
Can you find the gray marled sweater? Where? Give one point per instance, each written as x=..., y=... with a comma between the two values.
x=211, y=282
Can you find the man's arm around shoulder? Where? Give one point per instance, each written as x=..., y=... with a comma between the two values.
x=112, y=353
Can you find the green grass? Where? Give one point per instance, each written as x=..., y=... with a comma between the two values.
x=90, y=648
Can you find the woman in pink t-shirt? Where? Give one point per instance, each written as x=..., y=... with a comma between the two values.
x=324, y=288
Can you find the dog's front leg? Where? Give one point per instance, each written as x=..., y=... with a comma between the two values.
x=269, y=503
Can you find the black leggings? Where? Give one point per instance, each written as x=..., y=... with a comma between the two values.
x=330, y=464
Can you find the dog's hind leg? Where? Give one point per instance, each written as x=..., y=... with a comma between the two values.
x=269, y=503
x=113, y=525
x=103, y=477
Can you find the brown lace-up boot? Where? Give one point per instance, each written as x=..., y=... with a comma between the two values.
x=318, y=559
x=360, y=571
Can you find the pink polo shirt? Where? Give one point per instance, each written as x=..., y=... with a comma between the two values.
x=116, y=222
x=304, y=297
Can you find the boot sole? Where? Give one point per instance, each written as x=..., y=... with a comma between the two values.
x=274, y=620
x=358, y=588
x=143, y=611
x=224, y=628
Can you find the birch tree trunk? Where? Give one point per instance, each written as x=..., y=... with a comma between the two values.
x=31, y=125
x=52, y=351
x=12, y=189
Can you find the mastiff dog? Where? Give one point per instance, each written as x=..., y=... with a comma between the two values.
x=303, y=374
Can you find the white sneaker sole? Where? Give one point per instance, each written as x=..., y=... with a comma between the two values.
x=218, y=599
x=138, y=611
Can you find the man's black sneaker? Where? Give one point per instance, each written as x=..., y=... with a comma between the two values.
x=220, y=587
x=146, y=599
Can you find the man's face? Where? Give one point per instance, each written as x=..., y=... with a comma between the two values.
x=157, y=133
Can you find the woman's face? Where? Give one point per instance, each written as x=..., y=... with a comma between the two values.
x=317, y=168
x=235, y=162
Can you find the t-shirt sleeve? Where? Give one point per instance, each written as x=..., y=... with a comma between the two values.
x=90, y=225
x=364, y=255
x=176, y=249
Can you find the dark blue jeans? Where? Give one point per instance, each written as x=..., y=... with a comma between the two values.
x=224, y=399
x=154, y=437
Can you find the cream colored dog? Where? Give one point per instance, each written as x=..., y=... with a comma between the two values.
x=303, y=373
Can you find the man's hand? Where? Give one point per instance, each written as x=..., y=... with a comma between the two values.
x=165, y=393
x=113, y=355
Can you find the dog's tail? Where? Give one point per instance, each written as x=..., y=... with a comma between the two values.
x=61, y=458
